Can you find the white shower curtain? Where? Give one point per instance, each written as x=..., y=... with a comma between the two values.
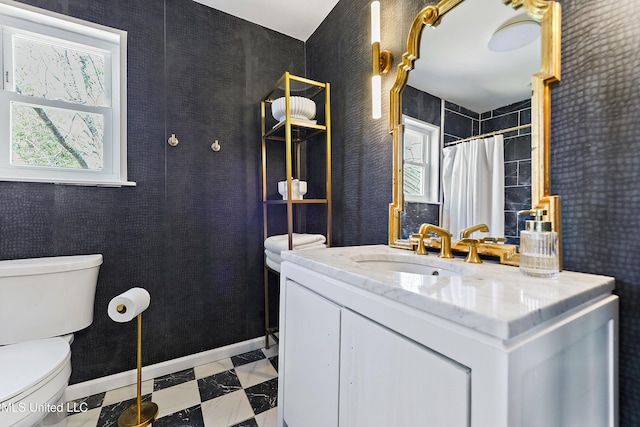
x=473, y=186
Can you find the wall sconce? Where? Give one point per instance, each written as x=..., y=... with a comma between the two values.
x=381, y=61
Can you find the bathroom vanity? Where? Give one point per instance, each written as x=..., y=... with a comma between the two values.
x=375, y=336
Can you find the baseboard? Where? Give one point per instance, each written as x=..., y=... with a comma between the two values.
x=122, y=379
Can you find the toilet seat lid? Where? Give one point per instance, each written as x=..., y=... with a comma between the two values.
x=26, y=364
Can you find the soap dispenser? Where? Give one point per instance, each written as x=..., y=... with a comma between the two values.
x=539, y=247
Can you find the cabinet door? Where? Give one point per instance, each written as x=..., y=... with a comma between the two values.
x=311, y=347
x=389, y=380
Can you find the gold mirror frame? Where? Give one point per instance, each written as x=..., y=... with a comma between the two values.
x=548, y=13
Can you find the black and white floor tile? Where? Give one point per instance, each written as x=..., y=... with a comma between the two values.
x=240, y=391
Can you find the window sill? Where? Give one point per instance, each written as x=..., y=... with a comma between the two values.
x=87, y=183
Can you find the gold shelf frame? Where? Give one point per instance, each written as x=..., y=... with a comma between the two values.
x=293, y=133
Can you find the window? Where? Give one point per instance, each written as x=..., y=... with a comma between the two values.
x=421, y=161
x=62, y=99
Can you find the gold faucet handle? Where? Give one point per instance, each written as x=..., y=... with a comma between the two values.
x=421, y=248
x=472, y=256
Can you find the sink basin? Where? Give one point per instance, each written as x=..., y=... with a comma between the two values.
x=413, y=264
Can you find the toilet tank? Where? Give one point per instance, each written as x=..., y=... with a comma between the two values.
x=46, y=297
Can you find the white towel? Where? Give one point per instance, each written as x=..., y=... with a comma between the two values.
x=273, y=264
x=280, y=243
x=276, y=256
x=273, y=256
x=311, y=246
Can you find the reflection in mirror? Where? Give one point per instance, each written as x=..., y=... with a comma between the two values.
x=421, y=160
x=491, y=105
x=468, y=90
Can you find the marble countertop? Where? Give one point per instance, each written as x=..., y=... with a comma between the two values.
x=491, y=298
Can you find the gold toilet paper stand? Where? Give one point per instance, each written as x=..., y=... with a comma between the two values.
x=142, y=413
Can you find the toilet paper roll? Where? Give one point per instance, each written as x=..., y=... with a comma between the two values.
x=128, y=305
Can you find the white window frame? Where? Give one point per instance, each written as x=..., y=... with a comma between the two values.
x=18, y=18
x=430, y=161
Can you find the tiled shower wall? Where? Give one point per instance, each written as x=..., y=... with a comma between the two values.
x=517, y=162
x=462, y=123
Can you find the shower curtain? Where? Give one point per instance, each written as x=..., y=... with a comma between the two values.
x=473, y=186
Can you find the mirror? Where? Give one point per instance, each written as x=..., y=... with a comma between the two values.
x=457, y=94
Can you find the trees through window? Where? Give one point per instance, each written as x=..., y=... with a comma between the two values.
x=61, y=106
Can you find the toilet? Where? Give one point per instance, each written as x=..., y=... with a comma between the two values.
x=42, y=302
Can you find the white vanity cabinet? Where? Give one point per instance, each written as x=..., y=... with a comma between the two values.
x=353, y=354
x=344, y=369
x=313, y=352
x=389, y=380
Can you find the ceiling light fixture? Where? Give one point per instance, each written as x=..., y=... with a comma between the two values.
x=515, y=33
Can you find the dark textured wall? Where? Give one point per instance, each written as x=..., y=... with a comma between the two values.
x=144, y=232
x=596, y=162
x=340, y=52
x=190, y=232
x=595, y=154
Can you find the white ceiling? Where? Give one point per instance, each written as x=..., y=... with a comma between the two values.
x=295, y=18
x=455, y=62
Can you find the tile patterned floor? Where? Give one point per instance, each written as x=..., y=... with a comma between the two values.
x=240, y=391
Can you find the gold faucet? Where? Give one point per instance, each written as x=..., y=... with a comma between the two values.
x=466, y=233
x=445, y=236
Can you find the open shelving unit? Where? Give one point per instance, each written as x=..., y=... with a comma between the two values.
x=291, y=135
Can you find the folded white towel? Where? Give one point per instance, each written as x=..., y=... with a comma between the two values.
x=273, y=264
x=273, y=256
x=280, y=242
x=312, y=246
